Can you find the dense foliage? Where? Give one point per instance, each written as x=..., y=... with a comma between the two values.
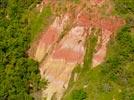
x=19, y=75
x=79, y=95
x=124, y=7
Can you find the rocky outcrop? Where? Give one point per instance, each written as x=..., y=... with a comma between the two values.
x=65, y=53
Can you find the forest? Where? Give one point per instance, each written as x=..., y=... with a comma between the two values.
x=19, y=75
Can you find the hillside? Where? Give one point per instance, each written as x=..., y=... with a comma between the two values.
x=67, y=50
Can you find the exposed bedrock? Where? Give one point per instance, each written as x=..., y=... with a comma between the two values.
x=58, y=66
x=49, y=37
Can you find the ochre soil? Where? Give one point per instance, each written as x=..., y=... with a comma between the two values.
x=65, y=53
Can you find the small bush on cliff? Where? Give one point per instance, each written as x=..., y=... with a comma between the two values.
x=79, y=95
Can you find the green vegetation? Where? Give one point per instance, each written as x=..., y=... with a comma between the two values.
x=113, y=79
x=40, y=21
x=76, y=1
x=124, y=7
x=83, y=73
x=79, y=95
x=19, y=75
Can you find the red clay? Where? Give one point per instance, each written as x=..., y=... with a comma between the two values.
x=98, y=1
x=68, y=55
x=110, y=24
x=83, y=20
x=50, y=37
x=100, y=56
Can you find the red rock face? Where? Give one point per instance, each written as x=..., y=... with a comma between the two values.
x=83, y=20
x=70, y=49
x=108, y=27
x=58, y=66
x=98, y=1
x=68, y=55
x=110, y=24
x=49, y=37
